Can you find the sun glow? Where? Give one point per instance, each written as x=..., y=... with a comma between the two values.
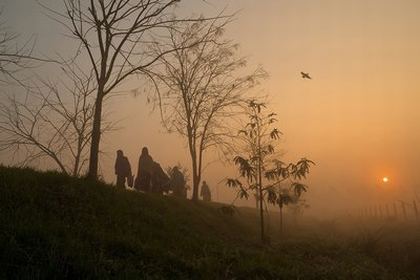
x=385, y=179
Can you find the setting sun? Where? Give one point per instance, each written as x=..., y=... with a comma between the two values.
x=385, y=179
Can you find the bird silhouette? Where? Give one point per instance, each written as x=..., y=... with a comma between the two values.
x=305, y=75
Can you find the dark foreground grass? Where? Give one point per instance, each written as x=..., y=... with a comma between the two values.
x=56, y=227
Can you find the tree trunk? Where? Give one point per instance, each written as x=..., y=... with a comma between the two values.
x=404, y=211
x=96, y=137
x=195, y=189
x=281, y=218
x=260, y=190
x=261, y=214
x=196, y=184
x=395, y=211
x=75, y=167
x=260, y=186
x=77, y=160
x=59, y=163
x=416, y=212
x=196, y=180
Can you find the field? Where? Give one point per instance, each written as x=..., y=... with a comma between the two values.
x=57, y=227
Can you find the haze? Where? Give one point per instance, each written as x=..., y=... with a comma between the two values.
x=357, y=118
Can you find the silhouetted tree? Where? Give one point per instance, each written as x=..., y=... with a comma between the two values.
x=14, y=57
x=258, y=163
x=54, y=120
x=201, y=88
x=115, y=38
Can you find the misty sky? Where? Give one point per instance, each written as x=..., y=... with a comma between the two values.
x=358, y=119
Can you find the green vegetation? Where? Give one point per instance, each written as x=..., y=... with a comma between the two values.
x=261, y=168
x=56, y=227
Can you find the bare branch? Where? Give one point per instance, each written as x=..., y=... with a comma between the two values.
x=54, y=121
x=117, y=38
x=201, y=87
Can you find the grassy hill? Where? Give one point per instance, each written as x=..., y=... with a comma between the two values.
x=57, y=227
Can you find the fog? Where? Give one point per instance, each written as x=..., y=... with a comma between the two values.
x=357, y=119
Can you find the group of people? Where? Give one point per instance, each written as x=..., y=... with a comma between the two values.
x=151, y=177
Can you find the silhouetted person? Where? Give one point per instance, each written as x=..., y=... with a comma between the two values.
x=178, y=183
x=205, y=192
x=122, y=169
x=159, y=179
x=144, y=173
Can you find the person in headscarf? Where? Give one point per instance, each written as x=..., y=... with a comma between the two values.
x=205, y=192
x=159, y=180
x=145, y=170
x=122, y=169
x=178, y=183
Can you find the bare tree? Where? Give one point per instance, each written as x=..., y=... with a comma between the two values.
x=258, y=162
x=114, y=37
x=201, y=88
x=53, y=121
x=13, y=57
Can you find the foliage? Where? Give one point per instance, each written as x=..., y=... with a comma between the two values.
x=259, y=166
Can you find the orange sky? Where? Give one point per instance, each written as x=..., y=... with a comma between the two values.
x=357, y=119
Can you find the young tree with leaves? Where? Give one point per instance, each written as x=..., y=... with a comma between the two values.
x=260, y=170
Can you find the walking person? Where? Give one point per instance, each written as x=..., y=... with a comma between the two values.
x=205, y=192
x=178, y=183
x=144, y=173
x=122, y=169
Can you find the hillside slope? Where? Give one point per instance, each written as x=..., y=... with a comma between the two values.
x=56, y=227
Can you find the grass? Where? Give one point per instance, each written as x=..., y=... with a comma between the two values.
x=57, y=227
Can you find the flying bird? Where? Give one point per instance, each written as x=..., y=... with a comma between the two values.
x=305, y=75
